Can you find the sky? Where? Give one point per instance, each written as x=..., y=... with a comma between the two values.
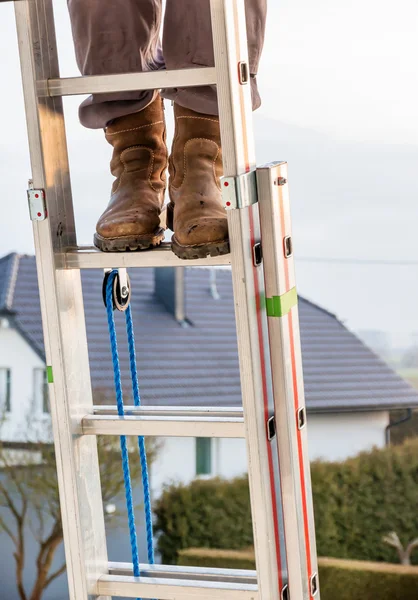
x=340, y=103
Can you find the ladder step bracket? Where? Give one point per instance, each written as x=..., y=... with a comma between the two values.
x=240, y=191
x=164, y=423
x=125, y=82
x=37, y=206
x=88, y=257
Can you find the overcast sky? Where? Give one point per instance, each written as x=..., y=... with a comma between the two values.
x=340, y=103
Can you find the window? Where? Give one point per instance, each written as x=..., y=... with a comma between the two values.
x=203, y=456
x=5, y=389
x=40, y=384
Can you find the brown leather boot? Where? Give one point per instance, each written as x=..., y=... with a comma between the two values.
x=132, y=218
x=195, y=213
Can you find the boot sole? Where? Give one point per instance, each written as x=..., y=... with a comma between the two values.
x=198, y=250
x=130, y=243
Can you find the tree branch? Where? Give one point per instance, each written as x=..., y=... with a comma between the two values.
x=20, y=559
x=57, y=573
x=9, y=502
x=8, y=531
x=411, y=546
x=47, y=551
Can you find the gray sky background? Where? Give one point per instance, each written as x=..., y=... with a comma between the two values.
x=340, y=90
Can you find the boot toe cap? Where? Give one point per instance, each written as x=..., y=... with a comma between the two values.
x=203, y=231
x=121, y=228
x=119, y=224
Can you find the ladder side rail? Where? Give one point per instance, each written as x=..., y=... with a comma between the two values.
x=307, y=523
x=286, y=357
x=62, y=308
x=235, y=111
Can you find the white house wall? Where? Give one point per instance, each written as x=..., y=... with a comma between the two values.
x=331, y=437
x=18, y=356
x=176, y=461
x=338, y=436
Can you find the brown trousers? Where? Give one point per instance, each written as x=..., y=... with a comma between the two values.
x=123, y=36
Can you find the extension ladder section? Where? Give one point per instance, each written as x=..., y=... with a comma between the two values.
x=273, y=418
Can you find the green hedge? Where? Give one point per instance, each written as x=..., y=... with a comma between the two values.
x=356, y=503
x=217, y=559
x=213, y=513
x=338, y=579
x=360, y=500
x=354, y=580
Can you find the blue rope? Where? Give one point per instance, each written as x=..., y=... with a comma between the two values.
x=123, y=442
x=141, y=440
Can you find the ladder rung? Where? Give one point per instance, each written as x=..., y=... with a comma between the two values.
x=193, y=573
x=165, y=422
x=172, y=411
x=88, y=257
x=152, y=80
x=175, y=588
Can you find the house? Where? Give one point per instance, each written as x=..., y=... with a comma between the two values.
x=192, y=360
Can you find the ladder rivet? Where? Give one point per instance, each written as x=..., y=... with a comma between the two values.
x=280, y=181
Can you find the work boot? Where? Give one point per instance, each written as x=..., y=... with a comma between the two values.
x=132, y=219
x=195, y=212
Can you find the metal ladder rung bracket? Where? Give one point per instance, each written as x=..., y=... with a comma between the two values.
x=240, y=191
x=286, y=362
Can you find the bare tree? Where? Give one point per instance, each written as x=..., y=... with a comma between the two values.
x=392, y=539
x=29, y=503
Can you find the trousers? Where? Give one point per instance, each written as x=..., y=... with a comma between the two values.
x=123, y=36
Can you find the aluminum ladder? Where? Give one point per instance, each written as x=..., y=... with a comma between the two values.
x=273, y=419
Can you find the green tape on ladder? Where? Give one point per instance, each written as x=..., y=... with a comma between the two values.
x=278, y=306
x=49, y=375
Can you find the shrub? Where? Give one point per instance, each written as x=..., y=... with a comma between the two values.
x=351, y=580
x=217, y=559
x=213, y=513
x=357, y=502
x=338, y=579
